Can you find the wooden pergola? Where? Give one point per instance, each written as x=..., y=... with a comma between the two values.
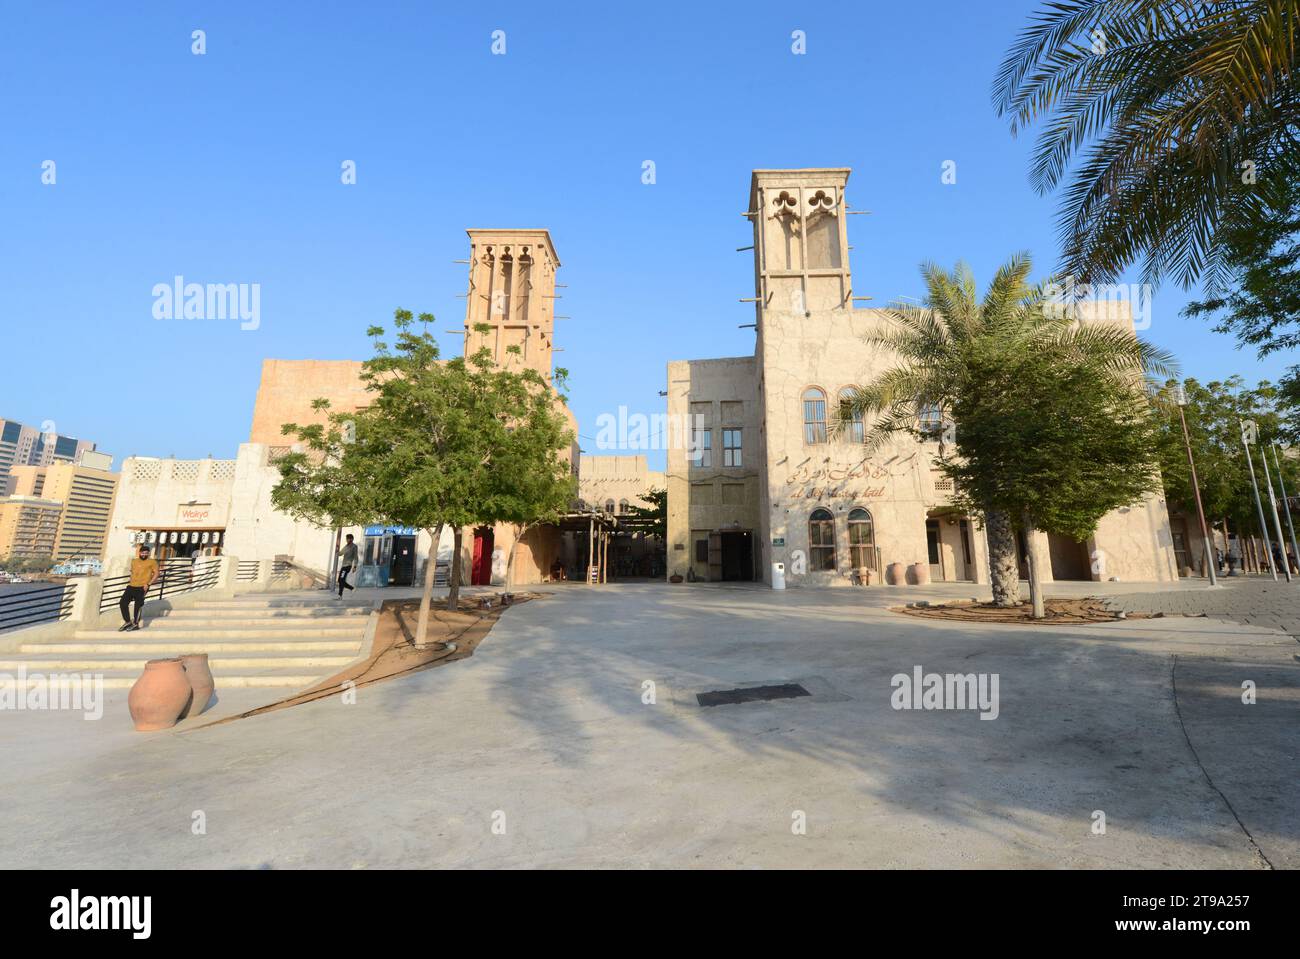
x=599, y=527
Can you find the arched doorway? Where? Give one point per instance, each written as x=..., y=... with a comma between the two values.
x=481, y=568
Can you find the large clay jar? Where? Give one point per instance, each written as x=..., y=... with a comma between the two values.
x=160, y=695
x=920, y=573
x=201, y=682
x=894, y=574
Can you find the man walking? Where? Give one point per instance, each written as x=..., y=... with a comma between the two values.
x=347, y=564
x=143, y=572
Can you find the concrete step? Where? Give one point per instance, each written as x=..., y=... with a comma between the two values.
x=305, y=624
x=210, y=633
x=254, y=640
x=125, y=679
x=220, y=665
x=162, y=648
x=272, y=612
x=317, y=599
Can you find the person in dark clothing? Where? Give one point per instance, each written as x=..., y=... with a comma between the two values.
x=348, y=562
x=143, y=572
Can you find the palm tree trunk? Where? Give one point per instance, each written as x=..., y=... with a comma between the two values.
x=1004, y=569
x=426, y=597
x=453, y=590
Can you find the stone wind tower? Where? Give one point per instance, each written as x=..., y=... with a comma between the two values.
x=512, y=290
x=801, y=260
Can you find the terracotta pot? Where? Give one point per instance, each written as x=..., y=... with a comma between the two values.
x=894, y=574
x=201, y=683
x=160, y=695
x=920, y=573
x=675, y=578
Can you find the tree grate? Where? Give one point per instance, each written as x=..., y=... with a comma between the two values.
x=751, y=694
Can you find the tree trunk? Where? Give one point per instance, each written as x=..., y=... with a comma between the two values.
x=426, y=598
x=520, y=533
x=1004, y=569
x=453, y=592
x=1035, y=584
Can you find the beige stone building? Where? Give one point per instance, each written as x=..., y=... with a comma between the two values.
x=225, y=505
x=766, y=480
x=613, y=484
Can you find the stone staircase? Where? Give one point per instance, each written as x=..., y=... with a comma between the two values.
x=252, y=640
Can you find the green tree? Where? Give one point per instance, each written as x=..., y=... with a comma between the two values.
x=1214, y=412
x=656, y=513
x=1159, y=113
x=1052, y=437
x=440, y=443
x=530, y=481
x=1050, y=428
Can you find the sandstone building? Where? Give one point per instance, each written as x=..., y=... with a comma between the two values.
x=212, y=506
x=766, y=481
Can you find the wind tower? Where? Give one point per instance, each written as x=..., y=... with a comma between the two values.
x=512, y=290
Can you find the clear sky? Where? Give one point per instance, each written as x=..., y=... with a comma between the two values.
x=225, y=168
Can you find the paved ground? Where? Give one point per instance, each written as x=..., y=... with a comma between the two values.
x=1257, y=601
x=544, y=734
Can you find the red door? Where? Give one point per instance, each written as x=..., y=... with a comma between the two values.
x=481, y=570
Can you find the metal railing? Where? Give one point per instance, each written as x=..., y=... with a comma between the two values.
x=44, y=604
x=247, y=571
x=174, y=576
x=281, y=568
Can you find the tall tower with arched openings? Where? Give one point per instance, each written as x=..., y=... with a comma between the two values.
x=512, y=291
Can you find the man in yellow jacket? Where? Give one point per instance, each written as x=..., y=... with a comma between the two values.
x=143, y=572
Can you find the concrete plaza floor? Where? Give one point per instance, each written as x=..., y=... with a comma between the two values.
x=540, y=751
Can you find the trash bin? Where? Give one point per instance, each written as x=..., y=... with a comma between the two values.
x=778, y=575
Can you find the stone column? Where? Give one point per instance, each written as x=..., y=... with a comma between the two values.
x=87, y=591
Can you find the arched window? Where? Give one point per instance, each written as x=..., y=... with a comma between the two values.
x=854, y=429
x=862, y=540
x=821, y=541
x=609, y=506
x=622, y=506
x=814, y=416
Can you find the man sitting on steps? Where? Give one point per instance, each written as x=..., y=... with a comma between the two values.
x=143, y=572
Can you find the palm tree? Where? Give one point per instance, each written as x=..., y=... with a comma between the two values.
x=941, y=348
x=1170, y=108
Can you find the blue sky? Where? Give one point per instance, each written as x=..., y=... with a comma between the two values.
x=225, y=168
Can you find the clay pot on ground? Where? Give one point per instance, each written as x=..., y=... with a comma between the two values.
x=675, y=578
x=201, y=683
x=894, y=575
x=160, y=695
x=919, y=574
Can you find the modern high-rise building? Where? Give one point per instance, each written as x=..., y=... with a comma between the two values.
x=27, y=446
x=83, y=495
x=29, y=526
